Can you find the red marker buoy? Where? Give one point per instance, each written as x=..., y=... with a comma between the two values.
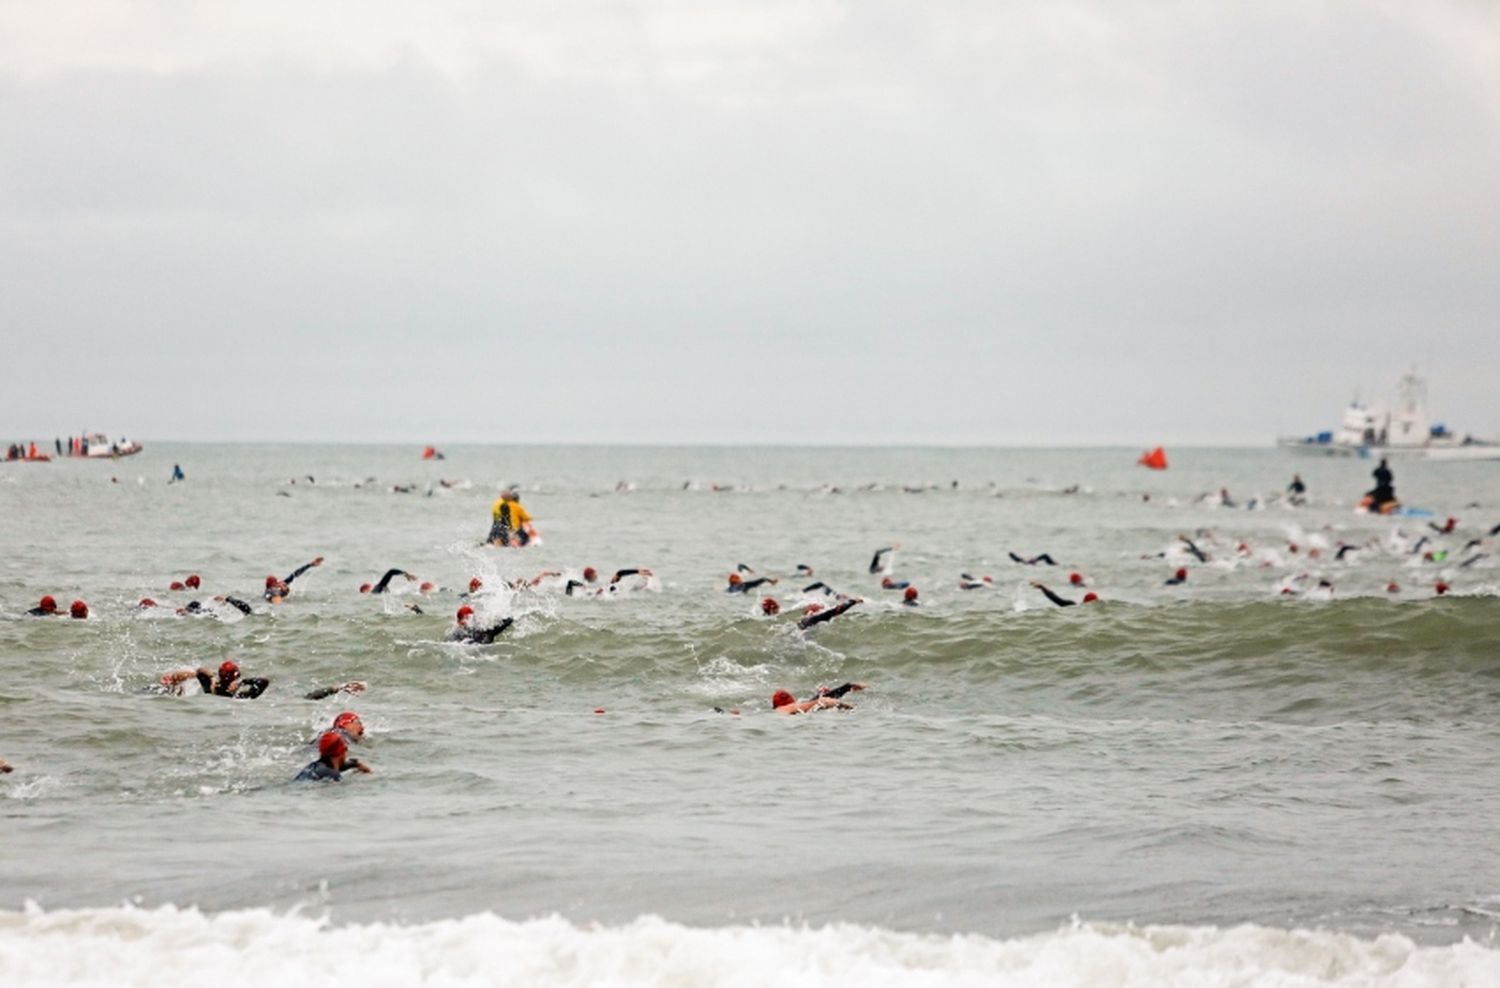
x=598, y=710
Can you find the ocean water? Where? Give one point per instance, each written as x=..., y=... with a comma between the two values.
x=1217, y=782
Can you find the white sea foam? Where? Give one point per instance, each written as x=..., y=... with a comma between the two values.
x=169, y=946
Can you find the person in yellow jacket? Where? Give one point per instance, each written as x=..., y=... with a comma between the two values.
x=512, y=522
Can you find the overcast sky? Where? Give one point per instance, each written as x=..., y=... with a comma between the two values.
x=761, y=221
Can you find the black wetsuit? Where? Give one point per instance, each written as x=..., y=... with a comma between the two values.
x=747, y=585
x=1059, y=601
x=1041, y=558
x=479, y=636
x=574, y=585
x=198, y=607
x=878, y=563
x=1384, y=491
x=1193, y=548
x=820, y=585
x=837, y=691
x=244, y=689
x=319, y=771
x=385, y=581
x=620, y=574
x=43, y=612
x=828, y=615
x=1345, y=549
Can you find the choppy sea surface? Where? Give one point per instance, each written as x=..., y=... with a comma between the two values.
x=1245, y=778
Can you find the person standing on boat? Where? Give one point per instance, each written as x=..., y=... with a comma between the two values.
x=1296, y=490
x=1384, y=492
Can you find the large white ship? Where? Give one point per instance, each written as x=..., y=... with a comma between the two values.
x=1401, y=429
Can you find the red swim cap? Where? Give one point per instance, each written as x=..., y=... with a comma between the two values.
x=590, y=574
x=1393, y=587
x=79, y=609
x=228, y=670
x=193, y=581
x=48, y=604
x=1181, y=574
x=1440, y=587
x=146, y=602
x=475, y=584
x=1075, y=578
x=464, y=613
x=768, y=605
x=734, y=579
x=175, y=585
x=911, y=593
x=886, y=581
x=1090, y=597
x=427, y=587
x=332, y=745
x=781, y=698
x=366, y=587
x=271, y=581
x=345, y=719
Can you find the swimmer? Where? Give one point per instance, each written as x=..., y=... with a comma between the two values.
x=1444, y=529
x=385, y=581
x=1176, y=578
x=196, y=607
x=820, y=585
x=278, y=590
x=350, y=726
x=883, y=560
x=1296, y=490
x=909, y=598
x=353, y=688
x=886, y=583
x=770, y=606
x=967, y=582
x=78, y=610
x=1042, y=558
x=782, y=702
x=1193, y=548
x=815, y=614
x=464, y=630
x=5, y=767
x=738, y=584
x=46, y=607
x=332, y=761
x=1088, y=598
x=226, y=682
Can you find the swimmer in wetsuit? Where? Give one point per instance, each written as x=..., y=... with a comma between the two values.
x=278, y=589
x=738, y=584
x=226, y=682
x=1039, y=558
x=46, y=607
x=464, y=631
x=385, y=581
x=817, y=615
x=333, y=760
x=782, y=702
x=197, y=607
x=1088, y=598
x=882, y=562
x=352, y=687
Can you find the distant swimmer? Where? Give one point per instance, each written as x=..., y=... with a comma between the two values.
x=1225, y=499
x=464, y=629
x=46, y=607
x=333, y=760
x=886, y=583
x=278, y=589
x=1041, y=558
x=5, y=767
x=967, y=582
x=78, y=610
x=511, y=523
x=883, y=560
x=1296, y=491
x=783, y=702
x=385, y=581
x=177, y=474
x=225, y=682
x=1193, y=548
x=1344, y=549
x=1088, y=598
x=804, y=570
x=817, y=614
x=738, y=584
x=1444, y=529
x=1177, y=578
x=770, y=606
x=820, y=585
x=909, y=598
x=197, y=608
x=354, y=687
